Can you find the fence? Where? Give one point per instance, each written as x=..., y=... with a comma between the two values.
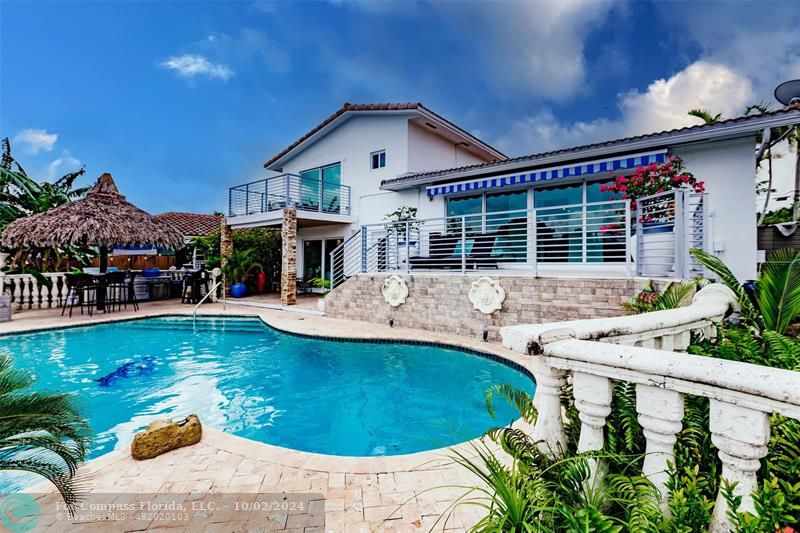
x=28, y=293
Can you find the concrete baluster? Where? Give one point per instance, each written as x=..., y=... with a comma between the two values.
x=549, y=428
x=593, y=400
x=741, y=435
x=660, y=414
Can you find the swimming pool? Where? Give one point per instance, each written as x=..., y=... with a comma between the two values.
x=244, y=377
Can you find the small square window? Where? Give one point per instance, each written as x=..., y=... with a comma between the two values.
x=378, y=159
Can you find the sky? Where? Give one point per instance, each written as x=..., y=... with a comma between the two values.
x=181, y=100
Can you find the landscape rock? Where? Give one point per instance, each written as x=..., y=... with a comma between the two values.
x=162, y=436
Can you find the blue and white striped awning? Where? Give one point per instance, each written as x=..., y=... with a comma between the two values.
x=550, y=173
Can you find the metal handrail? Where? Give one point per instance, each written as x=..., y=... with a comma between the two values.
x=203, y=299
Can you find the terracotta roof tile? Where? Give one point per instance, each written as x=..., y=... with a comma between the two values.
x=192, y=224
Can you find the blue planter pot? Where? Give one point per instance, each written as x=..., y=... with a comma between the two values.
x=238, y=290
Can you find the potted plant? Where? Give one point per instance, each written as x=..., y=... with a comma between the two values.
x=325, y=285
x=239, y=266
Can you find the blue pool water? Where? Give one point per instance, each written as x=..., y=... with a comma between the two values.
x=243, y=377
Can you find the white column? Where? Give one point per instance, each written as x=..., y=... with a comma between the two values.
x=593, y=400
x=660, y=414
x=741, y=435
x=549, y=427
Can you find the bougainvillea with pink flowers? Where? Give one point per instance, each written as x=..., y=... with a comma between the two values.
x=648, y=180
x=653, y=179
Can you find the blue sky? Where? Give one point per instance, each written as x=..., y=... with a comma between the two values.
x=180, y=100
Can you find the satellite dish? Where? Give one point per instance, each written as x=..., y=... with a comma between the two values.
x=788, y=92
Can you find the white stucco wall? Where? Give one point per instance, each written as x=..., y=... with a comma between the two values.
x=409, y=148
x=429, y=151
x=728, y=168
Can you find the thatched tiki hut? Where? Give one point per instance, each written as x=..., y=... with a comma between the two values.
x=103, y=218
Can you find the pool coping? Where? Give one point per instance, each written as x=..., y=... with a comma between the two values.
x=432, y=459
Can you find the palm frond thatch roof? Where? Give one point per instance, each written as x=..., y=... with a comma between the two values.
x=102, y=218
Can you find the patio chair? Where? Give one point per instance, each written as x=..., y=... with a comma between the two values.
x=81, y=292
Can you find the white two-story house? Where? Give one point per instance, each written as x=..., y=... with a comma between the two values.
x=332, y=175
x=477, y=210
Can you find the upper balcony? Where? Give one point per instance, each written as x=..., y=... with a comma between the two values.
x=313, y=199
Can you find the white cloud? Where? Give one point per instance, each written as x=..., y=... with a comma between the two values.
x=34, y=141
x=519, y=48
x=535, y=48
x=191, y=65
x=62, y=165
x=663, y=105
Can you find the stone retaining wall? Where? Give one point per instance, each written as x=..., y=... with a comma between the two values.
x=440, y=302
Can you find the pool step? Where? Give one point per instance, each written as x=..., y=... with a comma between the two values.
x=226, y=326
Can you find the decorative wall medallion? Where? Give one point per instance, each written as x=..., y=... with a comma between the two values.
x=395, y=291
x=487, y=295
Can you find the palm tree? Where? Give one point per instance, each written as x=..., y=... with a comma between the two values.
x=705, y=115
x=42, y=433
x=21, y=195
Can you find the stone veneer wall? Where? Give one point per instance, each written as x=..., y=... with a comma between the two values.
x=441, y=302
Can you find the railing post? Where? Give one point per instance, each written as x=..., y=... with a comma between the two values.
x=363, y=249
x=549, y=427
x=247, y=199
x=660, y=414
x=679, y=231
x=593, y=400
x=408, y=246
x=463, y=244
x=628, y=238
x=639, y=240
x=741, y=436
x=288, y=198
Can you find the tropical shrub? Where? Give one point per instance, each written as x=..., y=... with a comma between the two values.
x=41, y=433
x=266, y=243
x=240, y=265
x=776, y=303
x=673, y=295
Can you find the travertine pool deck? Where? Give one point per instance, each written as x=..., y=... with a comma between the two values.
x=412, y=492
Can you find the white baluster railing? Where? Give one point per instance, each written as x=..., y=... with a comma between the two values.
x=742, y=395
x=27, y=293
x=668, y=330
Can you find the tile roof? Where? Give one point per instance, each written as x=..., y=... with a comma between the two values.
x=369, y=107
x=666, y=134
x=192, y=224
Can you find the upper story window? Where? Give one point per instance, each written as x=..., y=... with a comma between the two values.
x=377, y=159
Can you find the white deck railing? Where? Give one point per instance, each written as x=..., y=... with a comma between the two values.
x=27, y=293
x=742, y=395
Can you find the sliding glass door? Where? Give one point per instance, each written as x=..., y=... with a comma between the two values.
x=315, y=257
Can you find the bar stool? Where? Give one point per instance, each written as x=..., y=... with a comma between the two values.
x=116, y=290
x=81, y=291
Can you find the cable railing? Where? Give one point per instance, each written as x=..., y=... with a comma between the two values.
x=288, y=190
x=668, y=225
x=590, y=233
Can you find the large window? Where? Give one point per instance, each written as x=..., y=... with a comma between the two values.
x=559, y=223
x=501, y=217
x=320, y=188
